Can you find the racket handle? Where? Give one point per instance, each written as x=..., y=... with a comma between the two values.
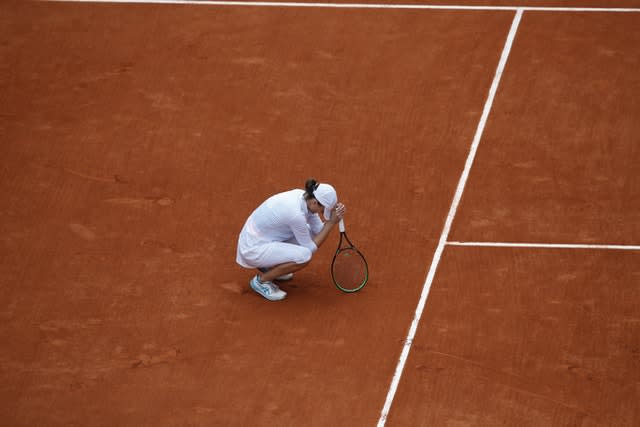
x=341, y=225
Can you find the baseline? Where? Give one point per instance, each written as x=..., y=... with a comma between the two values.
x=361, y=5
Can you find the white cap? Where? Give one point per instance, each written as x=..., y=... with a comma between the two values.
x=326, y=195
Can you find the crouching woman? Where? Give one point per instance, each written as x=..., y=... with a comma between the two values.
x=281, y=235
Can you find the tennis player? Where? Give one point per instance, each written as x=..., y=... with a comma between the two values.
x=282, y=234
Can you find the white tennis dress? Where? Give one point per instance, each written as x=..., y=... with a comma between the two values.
x=279, y=231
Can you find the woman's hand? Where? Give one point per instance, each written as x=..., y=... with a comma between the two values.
x=337, y=213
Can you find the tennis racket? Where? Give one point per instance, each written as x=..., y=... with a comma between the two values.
x=349, y=269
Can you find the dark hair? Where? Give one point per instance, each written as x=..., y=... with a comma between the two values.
x=310, y=186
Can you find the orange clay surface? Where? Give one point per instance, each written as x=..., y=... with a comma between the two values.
x=136, y=139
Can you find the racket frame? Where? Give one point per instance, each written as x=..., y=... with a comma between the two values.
x=351, y=246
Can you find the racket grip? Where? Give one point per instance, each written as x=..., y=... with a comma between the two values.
x=341, y=225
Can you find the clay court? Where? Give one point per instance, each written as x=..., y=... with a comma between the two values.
x=488, y=154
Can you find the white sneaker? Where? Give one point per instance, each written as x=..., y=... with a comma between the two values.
x=282, y=278
x=269, y=290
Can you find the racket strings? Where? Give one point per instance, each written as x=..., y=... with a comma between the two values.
x=349, y=269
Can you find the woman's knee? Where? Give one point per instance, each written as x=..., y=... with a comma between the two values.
x=304, y=257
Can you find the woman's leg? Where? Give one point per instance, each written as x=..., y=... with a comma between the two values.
x=280, y=270
x=282, y=258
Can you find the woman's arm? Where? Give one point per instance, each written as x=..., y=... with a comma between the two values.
x=336, y=215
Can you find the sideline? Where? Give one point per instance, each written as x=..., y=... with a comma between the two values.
x=450, y=216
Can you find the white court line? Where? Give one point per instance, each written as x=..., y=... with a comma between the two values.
x=546, y=245
x=360, y=5
x=450, y=216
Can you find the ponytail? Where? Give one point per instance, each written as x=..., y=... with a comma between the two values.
x=310, y=186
